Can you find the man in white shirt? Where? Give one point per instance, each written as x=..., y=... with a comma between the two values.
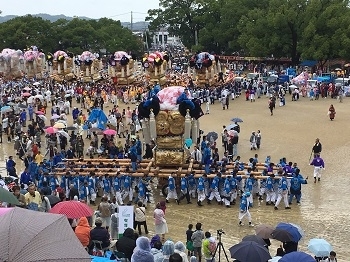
x=196, y=155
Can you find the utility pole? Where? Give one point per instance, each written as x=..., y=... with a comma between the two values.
x=131, y=22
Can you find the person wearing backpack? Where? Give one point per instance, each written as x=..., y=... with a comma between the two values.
x=209, y=247
x=197, y=238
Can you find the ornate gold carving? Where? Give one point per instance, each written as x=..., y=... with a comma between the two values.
x=169, y=158
x=170, y=142
x=177, y=122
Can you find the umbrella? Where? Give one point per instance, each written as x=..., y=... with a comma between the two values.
x=319, y=247
x=72, y=209
x=38, y=236
x=5, y=109
x=71, y=128
x=95, y=129
x=22, y=106
x=36, y=83
x=347, y=65
x=297, y=257
x=254, y=238
x=39, y=97
x=264, y=231
x=55, y=116
x=8, y=197
x=59, y=125
x=290, y=229
x=249, y=251
x=275, y=259
x=42, y=117
x=109, y=132
x=282, y=235
x=11, y=104
x=337, y=69
x=51, y=130
x=236, y=120
x=231, y=126
x=293, y=86
x=301, y=231
x=212, y=135
x=232, y=133
x=26, y=94
x=53, y=199
x=63, y=133
x=27, y=88
x=4, y=210
x=39, y=113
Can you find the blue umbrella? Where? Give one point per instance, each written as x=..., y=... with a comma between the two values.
x=319, y=247
x=236, y=120
x=5, y=109
x=291, y=230
x=297, y=257
x=213, y=135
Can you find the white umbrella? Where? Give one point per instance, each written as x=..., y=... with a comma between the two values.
x=55, y=116
x=63, y=133
x=39, y=96
x=293, y=86
x=43, y=117
x=30, y=99
x=36, y=84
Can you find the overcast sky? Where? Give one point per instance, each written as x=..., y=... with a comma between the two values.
x=115, y=9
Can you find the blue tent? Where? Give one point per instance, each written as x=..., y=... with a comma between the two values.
x=97, y=115
x=308, y=63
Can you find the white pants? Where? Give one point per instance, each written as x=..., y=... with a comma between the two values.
x=233, y=95
x=253, y=145
x=215, y=194
x=241, y=215
x=192, y=192
x=270, y=196
x=118, y=197
x=317, y=171
x=283, y=195
x=128, y=193
x=233, y=195
x=252, y=97
x=171, y=194
x=262, y=191
x=201, y=196
x=227, y=200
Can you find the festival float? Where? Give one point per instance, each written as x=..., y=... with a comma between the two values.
x=170, y=118
x=204, y=68
x=121, y=68
x=60, y=66
x=89, y=65
x=34, y=63
x=11, y=63
x=155, y=65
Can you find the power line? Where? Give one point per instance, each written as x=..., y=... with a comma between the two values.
x=120, y=14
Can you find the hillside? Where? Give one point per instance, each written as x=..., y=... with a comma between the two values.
x=137, y=26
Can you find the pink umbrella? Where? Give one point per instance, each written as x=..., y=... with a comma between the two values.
x=4, y=210
x=51, y=130
x=109, y=132
x=26, y=94
x=39, y=113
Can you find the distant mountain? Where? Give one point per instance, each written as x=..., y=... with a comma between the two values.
x=137, y=26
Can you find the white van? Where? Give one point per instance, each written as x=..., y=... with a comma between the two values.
x=342, y=81
x=312, y=83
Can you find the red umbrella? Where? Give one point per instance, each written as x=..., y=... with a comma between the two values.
x=72, y=209
x=51, y=130
x=110, y=132
x=26, y=94
x=39, y=113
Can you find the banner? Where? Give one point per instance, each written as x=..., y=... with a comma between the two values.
x=125, y=218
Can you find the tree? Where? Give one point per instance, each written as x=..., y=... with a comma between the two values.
x=326, y=35
x=179, y=17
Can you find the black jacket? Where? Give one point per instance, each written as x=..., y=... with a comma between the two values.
x=127, y=243
x=100, y=234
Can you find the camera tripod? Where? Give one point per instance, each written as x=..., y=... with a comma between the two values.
x=219, y=247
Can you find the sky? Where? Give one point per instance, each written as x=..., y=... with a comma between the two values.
x=115, y=9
